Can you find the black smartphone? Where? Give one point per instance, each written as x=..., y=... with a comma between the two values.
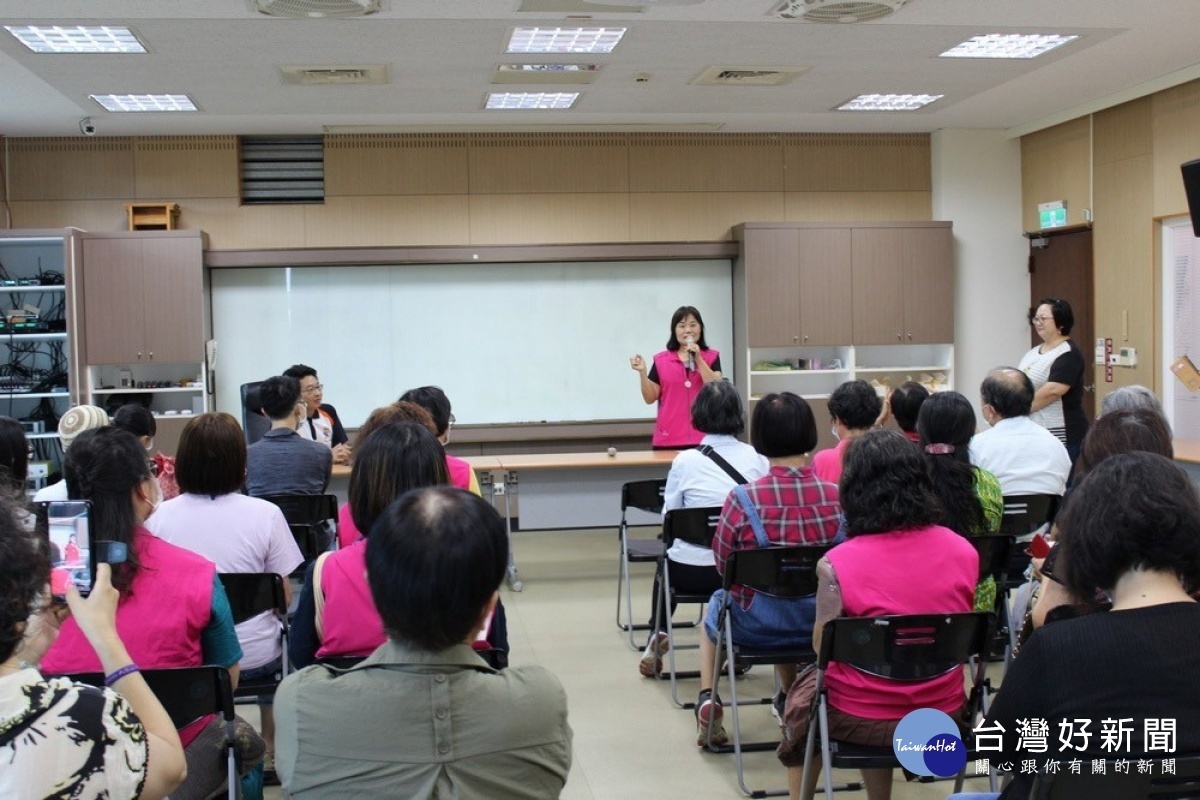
x=74, y=554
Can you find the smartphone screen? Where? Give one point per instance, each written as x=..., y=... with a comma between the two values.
x=72, y=557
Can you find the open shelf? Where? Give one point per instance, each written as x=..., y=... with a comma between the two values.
x=33, y=395
x=136, y=390
x=56, y=287
x=33, y=337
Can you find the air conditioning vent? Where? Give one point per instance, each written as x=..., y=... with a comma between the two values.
x=316, y=9
x=315, y=75
x=838, y=10
x=748, y=76
x=282, y=169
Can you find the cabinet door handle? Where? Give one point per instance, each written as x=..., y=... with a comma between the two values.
x=806, y=338
x=152, y=354
x=899, y=337
x=909, y=338
x=795, y=338
x=139, y=356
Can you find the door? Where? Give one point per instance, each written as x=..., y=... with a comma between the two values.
x=928, y=286
x=173, y=288
x=1060, y=266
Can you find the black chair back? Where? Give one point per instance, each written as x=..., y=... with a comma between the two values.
x=788, y=571
x=1025, y=513
x=692, y=525
x=644, y=495
x=312, y=518
x=252, y=593
x=995, y=552
x=254, y=422
x=911, y=647
x=187, y=693
x=1129, y=784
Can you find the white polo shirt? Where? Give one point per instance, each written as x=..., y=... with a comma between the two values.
x=1025, y=457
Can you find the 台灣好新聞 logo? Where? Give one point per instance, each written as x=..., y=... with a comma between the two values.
x=928, y=743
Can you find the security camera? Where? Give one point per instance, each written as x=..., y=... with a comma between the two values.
x=87, y=127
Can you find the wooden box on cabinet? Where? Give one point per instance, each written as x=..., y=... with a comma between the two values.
x=143, y=297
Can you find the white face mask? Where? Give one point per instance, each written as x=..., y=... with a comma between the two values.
x=158, y=497
x=834, y=431
x=150, y=446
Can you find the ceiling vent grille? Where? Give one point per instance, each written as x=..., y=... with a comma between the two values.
x=348, y=75
x=748, y=76
x=838, y=10
x=282, y=169
x=316, y=9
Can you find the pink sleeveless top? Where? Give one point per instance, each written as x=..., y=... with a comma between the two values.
x=350, y=625
x=673, y=428
x=924, y=571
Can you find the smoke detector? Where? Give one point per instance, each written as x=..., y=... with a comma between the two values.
x=838, y=10
x=315, y=9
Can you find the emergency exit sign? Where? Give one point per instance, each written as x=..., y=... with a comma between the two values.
x=1053, y=215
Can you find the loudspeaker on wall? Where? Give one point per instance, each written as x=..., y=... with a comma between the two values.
x=1191, y=185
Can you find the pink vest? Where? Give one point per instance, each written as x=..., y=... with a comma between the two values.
x=350, y=625
x=925, y=571
x=348, y=533
x=159, y=619
x=673, y=428
x=827, y=464
x=460, y=472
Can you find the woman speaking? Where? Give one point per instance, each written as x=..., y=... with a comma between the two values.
x=1056, y=368
x=675, y=379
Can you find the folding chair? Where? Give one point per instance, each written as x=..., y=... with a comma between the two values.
x=1023, y=514
x=313, y=520
x=188, y=694
x=915, y=647
x=1131, y=784
x=995, y=554
x=789, y=572
x=645, y=496
x=251, y=594
x=695, y=526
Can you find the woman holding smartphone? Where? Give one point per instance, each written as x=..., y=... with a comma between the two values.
x=58, y=737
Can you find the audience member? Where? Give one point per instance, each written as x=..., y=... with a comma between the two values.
x=137, y=419
x=71, y=424
x=854, y=408
x=400, y=411
x=1130, y=529
x=969, y=497
x=172, y=610
x=897, y=560
x=424, y=716
x=905, y=402
x=283, y=462
x=434, y=400
x=237, y=533
x=1025, y=457
x=788, y=506
x=1128, y=398
x=321, y=422
x=14, y=457
x=59, y=738
x=700, y=478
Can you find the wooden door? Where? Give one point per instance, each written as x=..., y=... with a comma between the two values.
x=928, y=255
x=772, y=287
x=1060, y=266
x=112, y=295
x=173, y=291
x=878, y=285
x=826, y=286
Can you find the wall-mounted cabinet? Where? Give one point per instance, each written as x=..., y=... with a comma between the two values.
x=903, y=281
x=144, y=297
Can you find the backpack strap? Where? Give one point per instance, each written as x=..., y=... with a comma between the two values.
x=760, y=534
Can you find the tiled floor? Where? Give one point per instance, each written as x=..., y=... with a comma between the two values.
x=631, y=741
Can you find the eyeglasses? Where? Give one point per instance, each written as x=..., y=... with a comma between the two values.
x=316, y=387
x=1043, y=320
x=452, y=421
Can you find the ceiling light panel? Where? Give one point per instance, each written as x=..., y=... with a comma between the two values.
x=77, y=38
x=145, y=102
x=530, y=101
x=888, y=102
x=564, y=40
x=1008, y=45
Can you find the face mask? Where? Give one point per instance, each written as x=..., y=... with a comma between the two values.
x=833, y=430
x=150, y=446
x=158, y=497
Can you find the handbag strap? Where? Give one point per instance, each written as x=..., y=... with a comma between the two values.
x=760, y=534
x=720, y=461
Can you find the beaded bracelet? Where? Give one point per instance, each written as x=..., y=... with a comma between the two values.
x=116, y=675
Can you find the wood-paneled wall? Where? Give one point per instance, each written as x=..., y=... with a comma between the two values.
x=1127, y=158
x=483, y=189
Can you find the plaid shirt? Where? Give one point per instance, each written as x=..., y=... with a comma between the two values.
x=795, y=506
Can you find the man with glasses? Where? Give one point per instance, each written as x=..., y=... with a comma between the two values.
x=322, y=423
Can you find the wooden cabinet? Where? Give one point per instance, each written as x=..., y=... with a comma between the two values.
x=903, y=285
x=798, y=286
x=143, y=297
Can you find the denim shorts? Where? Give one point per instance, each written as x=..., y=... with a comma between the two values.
x=769, y=622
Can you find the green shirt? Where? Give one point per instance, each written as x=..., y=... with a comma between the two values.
x=414, y=724
x=991, y=499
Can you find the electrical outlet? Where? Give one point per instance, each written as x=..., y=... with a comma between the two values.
x=497, y=489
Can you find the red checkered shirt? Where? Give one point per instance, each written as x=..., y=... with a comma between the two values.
x=795, y=506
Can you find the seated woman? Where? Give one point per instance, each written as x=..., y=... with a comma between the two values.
x=173, y=611
x=854, y=408
x=138, y=420
x=701, y=478
x=401, y=411
x=59, y=738
x=792, y=507
x=970, y=497
x=1130, y=529
x=434, y=400
x=237, y=533
x=897, y=560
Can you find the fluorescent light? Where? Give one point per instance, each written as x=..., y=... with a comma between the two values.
x=564, y=40
x=145, y=102
x=1008, y=45
x=888, y=102
x=530, y=101
x=77, y=38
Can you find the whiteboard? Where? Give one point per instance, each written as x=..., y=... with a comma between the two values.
x=1181, y=322
x=509, y=343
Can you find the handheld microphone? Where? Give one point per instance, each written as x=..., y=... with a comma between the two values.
x=691, y=356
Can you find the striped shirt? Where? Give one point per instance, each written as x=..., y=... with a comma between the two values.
x=795, y=506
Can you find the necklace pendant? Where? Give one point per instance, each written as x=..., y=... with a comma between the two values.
x=687, y=384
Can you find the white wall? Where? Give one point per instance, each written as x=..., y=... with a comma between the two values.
x=977, y=186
